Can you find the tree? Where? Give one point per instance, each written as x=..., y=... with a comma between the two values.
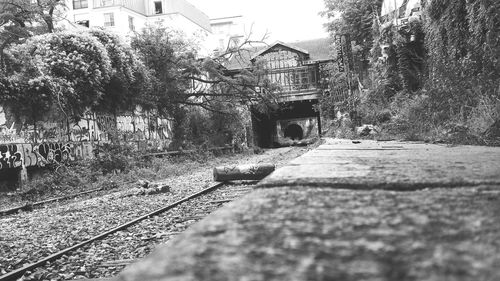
x=63, y=70
x=37, y=14
x=167, y=55
x=181, y=80
x=184, y=79
x=129, y=83
x=353, y=17
x=21, y=19
x=76, y=71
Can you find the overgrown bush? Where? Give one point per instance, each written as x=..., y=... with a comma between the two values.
x=412, y=117
x=114, y=157
x=201, y=129
x=484, y=115
x=440, y=76
x=58, y=179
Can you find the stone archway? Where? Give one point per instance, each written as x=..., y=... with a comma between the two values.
x=294, y=132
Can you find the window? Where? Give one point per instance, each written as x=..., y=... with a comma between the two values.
x=109, y=19
x=80, y=4
x=85, y=23
x=105, y=3
x=158, y=9
x=131, y=25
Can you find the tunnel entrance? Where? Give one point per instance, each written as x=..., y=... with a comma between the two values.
x=294, y=132
x=294, y=120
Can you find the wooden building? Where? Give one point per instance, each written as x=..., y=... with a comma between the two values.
x=299, y=74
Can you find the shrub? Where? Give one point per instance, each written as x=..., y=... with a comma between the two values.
x=411, y=118
x=114, y=157
x=48, y=181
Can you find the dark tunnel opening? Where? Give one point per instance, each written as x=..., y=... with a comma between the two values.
x=294, y=132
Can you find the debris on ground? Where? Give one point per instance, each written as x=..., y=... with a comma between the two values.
x=367, y=130
x=150, y=188
x=287, y=142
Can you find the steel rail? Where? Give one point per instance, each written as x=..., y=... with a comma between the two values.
x=13, y=275
x=179, y=152
x=27, y=206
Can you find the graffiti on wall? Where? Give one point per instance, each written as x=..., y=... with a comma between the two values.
x=60, y=141
x=91, y=127
x=40, y=155
x=143, y=127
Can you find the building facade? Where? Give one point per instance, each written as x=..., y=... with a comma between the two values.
x=227, y=32
x=128, y=16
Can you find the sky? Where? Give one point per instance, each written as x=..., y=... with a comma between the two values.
x=285, y=20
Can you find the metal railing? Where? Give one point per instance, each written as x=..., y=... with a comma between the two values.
x=295, y=79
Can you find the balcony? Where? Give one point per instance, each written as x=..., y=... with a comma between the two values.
x=296, y=83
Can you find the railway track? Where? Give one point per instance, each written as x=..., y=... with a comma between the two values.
x=30, y=206
x=163, y=229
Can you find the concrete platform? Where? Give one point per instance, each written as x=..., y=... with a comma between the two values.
x=338, y=213
x=390, y=165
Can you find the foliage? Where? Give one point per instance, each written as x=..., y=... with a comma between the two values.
x=208, y=129
x=412, y=116
x=114, y=157
x=354, y=17
x=68, y=73
x=49, y=182
x=462, y=39
x=411, y=56
x=20, y=19
x=182, y=82
x=333, y=101
x=433, y=77
x=129, y=84
x=463, y=52
x=230, y=127
x=70, y=68
x=181, y=79
x=169, y=56
x=71, y=72
x=398, y=69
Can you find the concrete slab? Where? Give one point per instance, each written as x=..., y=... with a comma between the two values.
x=390, y=165
x=300, y=233
x=329, y=216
